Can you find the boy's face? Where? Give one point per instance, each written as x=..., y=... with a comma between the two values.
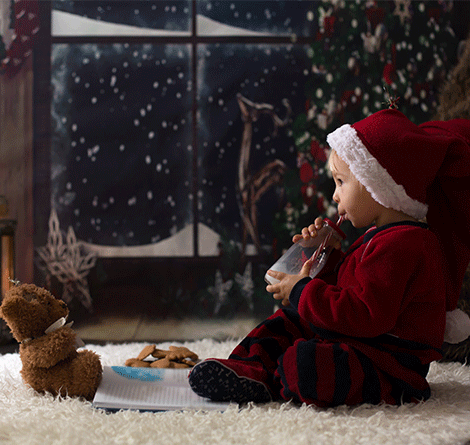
x=354, y=202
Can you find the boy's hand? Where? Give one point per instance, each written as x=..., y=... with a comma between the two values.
x=312, y=231
x=282, y=290
x=309, y=232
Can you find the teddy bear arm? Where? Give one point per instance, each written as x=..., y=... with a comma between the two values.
x=46, y=351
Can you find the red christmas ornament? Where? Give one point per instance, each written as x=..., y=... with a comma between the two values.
x=306, y=173
x=375, y=16
x=26, y=31
x=317, y=151
x=389, y=73
x=329, y=24
x=307, y=106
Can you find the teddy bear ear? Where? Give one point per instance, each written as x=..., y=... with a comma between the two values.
x=5, y=312
x=15, y=311
x=2, y=305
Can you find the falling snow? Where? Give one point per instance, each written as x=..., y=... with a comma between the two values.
x=122, y=154
x=112, y=152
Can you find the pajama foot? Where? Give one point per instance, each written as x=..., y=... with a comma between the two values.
x=215, y=381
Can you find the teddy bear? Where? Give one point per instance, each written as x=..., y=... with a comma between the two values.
x=48, y=346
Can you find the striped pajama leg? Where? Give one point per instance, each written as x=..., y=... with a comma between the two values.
x=325, y=374
x=283, y=358
x=295, y=363
x=249, y=372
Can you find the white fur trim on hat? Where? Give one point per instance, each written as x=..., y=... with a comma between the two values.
x=375, y=178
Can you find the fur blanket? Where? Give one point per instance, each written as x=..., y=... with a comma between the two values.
x=29, y=418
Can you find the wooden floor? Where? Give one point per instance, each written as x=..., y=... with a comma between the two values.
x=124, y=330
x=121, y=329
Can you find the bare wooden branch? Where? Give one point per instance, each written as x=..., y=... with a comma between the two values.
x=252, y=187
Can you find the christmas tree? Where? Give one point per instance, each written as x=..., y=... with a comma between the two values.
x=367, y=55
x=454, y=96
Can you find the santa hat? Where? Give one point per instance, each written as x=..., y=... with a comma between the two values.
x=423, y=171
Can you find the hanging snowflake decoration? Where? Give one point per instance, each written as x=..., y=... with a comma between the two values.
x=247, y=287
x=403, y=10
x=67, y=262
x=220, y=291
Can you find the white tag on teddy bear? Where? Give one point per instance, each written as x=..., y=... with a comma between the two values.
x=56, y=325
x=457, y=326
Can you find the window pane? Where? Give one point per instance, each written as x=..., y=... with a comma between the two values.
x=246, y=17
x=121, y=155
x=262, y=74
x=113, y=18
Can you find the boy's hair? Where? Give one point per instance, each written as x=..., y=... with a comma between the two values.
x=330, y=163
x=332, y=157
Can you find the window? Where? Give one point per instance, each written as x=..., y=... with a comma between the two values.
x=146, y=135
x=160, y=113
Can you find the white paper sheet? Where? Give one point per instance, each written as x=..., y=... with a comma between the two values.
x=149, y=389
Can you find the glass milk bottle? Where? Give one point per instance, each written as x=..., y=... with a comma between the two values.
x=318, y=249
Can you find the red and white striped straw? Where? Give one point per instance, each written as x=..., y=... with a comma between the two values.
x=325, y=241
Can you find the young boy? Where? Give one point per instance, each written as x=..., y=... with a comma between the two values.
x=367, y=328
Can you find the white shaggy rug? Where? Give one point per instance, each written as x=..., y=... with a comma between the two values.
x=27, y=418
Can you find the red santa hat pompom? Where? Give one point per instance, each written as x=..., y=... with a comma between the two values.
x=423, y=171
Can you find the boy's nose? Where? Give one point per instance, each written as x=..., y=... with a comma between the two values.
x=335, y=198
